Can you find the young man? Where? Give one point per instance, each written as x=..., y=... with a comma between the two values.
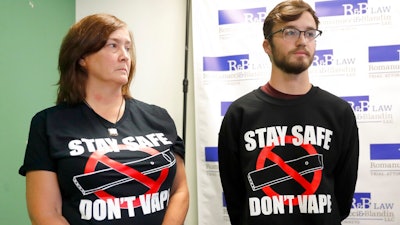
x=288, y=151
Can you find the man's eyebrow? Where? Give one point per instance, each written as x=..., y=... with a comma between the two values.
x=307, y=28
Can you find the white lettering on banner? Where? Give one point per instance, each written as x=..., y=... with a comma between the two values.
x=234, y=66
x=251, y=18
x=275, y=136
x=328, y=60
x=350, y=10
x=110, y=209
x=78, y=146
x=307, y=204
x=364, y=203
x=362, y=106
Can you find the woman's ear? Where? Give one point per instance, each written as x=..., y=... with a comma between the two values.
x=82, y=62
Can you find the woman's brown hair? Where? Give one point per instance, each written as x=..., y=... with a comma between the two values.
x=85, y=37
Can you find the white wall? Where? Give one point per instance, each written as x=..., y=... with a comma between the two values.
x=158, y=27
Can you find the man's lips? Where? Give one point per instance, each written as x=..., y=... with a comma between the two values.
x=301, y=52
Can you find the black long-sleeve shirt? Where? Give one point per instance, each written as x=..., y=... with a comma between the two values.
x=288, y=161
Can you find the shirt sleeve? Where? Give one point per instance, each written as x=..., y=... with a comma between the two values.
x=178, y=146
x=230, y=173
x=37, y=156
x=346, y=174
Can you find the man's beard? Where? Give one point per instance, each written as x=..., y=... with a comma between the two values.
x=283, y=63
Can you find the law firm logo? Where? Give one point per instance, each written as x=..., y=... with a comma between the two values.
x=341, y=8
x=238, y=23
x=388, y=53
x=367, y=111
x=239, y=16
x=385, y=159
x=367, y=207
x=384, y=61
x=352, y=13
x=326, y=63
x=211, y=160
x=358, y=103
x=226, y=63
x=231, y=68
x=361, y=201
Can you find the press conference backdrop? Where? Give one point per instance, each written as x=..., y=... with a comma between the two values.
x=357, y=58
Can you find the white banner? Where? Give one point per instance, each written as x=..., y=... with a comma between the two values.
x=357, y=58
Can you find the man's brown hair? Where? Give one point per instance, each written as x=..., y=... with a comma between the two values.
x=285, y=12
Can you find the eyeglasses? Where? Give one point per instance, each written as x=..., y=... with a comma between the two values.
x=293, y=34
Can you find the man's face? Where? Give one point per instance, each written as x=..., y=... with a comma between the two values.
x=293, y=56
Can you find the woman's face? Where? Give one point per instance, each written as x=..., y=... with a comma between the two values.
x=112, y=63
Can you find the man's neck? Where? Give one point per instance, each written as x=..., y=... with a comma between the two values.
x=292, y=84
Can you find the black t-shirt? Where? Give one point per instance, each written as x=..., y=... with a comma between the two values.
x=290, y=161
x=124, y=179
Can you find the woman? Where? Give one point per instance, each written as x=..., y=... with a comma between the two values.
x=99, y=156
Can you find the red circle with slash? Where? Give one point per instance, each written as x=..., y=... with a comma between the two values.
x=310, y=187
x=153, y=185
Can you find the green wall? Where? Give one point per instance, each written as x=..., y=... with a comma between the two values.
x=30, y=35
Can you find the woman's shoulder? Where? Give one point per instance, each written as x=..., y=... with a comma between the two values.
x=57, y=112
x=136, y=105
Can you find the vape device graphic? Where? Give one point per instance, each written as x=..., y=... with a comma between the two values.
x=274, y=174
x=89, y=183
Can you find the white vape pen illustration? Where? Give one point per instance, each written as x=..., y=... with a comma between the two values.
x=89, y=183
x=273, y=174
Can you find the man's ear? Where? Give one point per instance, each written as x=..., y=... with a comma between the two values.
x=267, y=47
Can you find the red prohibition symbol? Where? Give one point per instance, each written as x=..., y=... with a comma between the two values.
x=309, y=187
x=152, y=185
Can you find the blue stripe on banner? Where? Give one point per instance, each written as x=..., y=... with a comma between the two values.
x=224, y=63
x=224, y=107
x=384, y=53
x=361, y=200
x=321, y=53
x=384, y=151
x=341, y=7
x=241, y=15
x=358, y=103
x=324, y=56
x=211, y=154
